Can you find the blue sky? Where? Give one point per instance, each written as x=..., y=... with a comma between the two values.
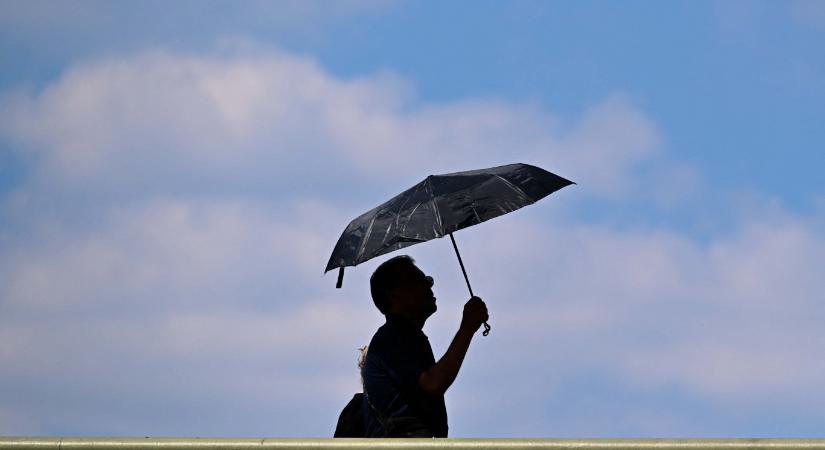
x=173, y=178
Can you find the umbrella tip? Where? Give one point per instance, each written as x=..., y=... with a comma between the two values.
x=340, y=278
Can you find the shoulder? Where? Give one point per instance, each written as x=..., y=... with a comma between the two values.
x=386, y=337
x=394, y=340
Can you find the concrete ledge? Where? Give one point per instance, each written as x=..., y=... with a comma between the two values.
x=56, y=443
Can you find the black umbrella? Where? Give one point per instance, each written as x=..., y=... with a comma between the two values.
x=438, y=206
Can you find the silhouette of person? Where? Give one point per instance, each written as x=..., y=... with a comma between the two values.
x=403, y=384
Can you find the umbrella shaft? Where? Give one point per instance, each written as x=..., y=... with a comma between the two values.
x=461, y=263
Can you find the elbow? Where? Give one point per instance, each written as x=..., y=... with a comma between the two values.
x=431, y=384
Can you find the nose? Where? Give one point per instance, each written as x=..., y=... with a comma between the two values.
x=430, y=281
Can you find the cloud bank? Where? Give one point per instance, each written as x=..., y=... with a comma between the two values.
x=161, y=272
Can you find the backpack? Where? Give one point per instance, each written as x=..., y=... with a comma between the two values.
x=351, y=420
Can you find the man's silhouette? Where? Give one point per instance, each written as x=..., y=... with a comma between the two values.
x=403, y=383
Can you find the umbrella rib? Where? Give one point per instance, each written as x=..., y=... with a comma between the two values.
x=515, y=188
x=401, y=208
x=475, y=212
x=404, y=231
x=400, y=230
x=367, y=234
x=429, y=187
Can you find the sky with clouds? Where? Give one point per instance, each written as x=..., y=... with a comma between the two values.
x=174, y=176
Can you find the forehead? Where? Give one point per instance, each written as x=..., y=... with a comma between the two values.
x=410, y=271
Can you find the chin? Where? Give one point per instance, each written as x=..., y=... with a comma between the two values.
x=426, y=314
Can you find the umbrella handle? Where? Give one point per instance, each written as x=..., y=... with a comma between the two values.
x=340, y=278
x=469, y=288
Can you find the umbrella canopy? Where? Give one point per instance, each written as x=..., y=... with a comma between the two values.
x=438, y=206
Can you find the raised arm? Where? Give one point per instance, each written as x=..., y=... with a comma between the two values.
x=438, y=378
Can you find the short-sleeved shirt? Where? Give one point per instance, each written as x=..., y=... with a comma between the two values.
x=398, y=354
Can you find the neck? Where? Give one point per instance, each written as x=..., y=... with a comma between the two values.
x=416, y=322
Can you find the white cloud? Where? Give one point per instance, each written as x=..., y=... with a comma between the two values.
x=732, y=321
x=192, y=278
x=604, y=147
x=261, y=373
x=162, y=121
x=182, y=304
x=736, y=319
x=169, y=253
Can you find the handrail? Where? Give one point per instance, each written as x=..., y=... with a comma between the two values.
x=75, y=443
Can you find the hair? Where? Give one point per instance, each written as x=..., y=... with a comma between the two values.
x=384, y=278
x=362, y=361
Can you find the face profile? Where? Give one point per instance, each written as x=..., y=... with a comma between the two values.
x=412, y=296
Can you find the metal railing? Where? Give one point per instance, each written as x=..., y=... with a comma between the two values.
x=56, y=443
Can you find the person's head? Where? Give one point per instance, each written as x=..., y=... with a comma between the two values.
x=399, y=287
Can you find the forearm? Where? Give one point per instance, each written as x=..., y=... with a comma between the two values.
x=441, y=375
